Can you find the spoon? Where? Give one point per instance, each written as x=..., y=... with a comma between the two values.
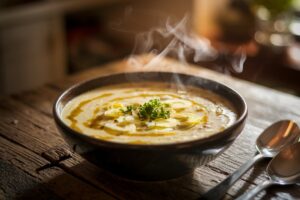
x=284, y=169
x=268, y=144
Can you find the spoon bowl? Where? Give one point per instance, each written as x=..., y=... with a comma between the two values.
x=277, y=136
x=285, y=167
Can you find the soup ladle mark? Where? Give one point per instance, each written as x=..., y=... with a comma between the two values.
x=268, y=144
x=284, y=169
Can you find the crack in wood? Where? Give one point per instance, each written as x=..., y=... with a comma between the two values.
x=217, y=170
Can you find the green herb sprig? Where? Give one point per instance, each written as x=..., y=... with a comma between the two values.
x=153, y=109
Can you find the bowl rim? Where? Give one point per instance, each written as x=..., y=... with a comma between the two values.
x=164, y=146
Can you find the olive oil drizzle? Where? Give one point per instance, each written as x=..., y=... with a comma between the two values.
x=76, y=111
x=93, y=122
x=145, y=134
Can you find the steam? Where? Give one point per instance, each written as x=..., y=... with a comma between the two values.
x=181, y=43
x=177, y=40
x=238, y=60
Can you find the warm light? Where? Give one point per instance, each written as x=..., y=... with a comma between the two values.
x=294, y=53
x=280, y=25
x=278, y=137
x=277, y=40
x=263, y=13
x=295, y=28
x=290, y=126
x=260, y=37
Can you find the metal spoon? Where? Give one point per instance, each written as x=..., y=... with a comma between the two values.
x=268, y=144
x=284, y=169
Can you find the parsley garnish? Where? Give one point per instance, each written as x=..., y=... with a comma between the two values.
x=153, y=109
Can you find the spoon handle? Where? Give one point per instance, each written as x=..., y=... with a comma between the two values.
x=251, y=194
x=219, y=191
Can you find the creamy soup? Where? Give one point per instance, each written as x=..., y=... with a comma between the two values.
x=148, y=113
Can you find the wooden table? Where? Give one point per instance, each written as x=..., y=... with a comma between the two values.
x=35, y=162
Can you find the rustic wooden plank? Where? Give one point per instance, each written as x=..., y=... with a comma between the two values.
x=17, y=120
x=53, y=183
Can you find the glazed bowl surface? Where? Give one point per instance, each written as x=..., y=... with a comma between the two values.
x=157, y=161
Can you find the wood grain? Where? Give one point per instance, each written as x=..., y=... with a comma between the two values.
x=51, y=183
x=27, y=127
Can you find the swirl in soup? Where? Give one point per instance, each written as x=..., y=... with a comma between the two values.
x=148, y=113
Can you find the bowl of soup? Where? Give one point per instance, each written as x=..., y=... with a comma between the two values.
x=150, y=125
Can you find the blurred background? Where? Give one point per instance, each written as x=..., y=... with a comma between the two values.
x=43, y=41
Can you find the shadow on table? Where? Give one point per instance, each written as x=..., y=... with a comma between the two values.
x=16, y=184
x=256, y=171
x=179, y=188
x=86, y=181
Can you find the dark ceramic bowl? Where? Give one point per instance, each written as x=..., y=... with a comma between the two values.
x=151, y=162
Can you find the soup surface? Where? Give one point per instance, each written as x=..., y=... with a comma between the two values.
x=148, y=113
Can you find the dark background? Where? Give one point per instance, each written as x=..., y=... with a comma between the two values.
x=43, y=41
